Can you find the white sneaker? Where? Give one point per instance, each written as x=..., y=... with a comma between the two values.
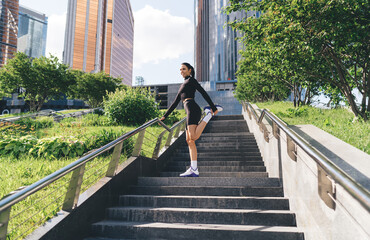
x=219, y=108
x=190, y=173
x=207, y=109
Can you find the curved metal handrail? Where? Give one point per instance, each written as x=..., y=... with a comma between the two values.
x=351, y=186
x=19, y=196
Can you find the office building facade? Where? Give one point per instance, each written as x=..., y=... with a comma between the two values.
x=8, y=29
x=216, y=46
x=99, y=37
x=32, y=32
x=216, y=52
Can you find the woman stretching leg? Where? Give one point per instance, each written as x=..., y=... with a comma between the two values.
x=194, y=128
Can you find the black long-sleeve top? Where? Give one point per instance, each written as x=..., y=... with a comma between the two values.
x=187, y=90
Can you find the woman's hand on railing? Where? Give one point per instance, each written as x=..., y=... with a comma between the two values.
x=162, y=118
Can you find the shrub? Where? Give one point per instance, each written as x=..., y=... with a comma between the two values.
x=38, y=123
x=12, y=129
x=57, y=147
x=131, y=106
x=96, y=120
x=16, y=145
x=105, y=137
x=175, y=116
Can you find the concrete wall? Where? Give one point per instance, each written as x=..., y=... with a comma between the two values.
x=348, y=219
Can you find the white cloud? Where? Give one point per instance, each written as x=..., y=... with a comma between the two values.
x=55, y=35
x=160, y=36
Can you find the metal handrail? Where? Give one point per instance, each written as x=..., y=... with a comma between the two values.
x=19, y=196
x=351, y=186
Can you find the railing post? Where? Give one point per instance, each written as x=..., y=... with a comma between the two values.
x=4, y=220
x=115, y=160
x=158, y=145
x=169, y=139
x=291, y=148
x=275, y=130
x=177, y=132
x=249, y=112
x=138, y=144
x=73, y=192
x=183, y=127
x=326, y=187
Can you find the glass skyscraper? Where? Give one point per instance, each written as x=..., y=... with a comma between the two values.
x=216, y=52
x=216, y=47
x=99, y=37
x=32, y=31
x=8, y=29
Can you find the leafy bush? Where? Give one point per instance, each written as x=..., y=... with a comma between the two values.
x=99, y=111
x=16, y=145
x=175, y=116
x=57, y=147
x=131, y=106
x=12, y=129
x=105, y=137
x=38, y=123
x=96, y=120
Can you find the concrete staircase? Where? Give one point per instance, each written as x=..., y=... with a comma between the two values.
x=232, y=199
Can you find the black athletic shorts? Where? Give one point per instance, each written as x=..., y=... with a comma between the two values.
x=193, y=111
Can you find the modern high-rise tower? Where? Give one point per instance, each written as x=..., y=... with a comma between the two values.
x=99, y=37
x=216, y=52
x=32, y=31
x=216, y=47
x=8, y=29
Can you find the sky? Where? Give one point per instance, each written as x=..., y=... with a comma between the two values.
x=164, y=35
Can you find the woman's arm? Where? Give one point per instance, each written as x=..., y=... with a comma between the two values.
x=205, y=95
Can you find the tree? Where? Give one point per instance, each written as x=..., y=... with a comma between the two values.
x=42, y=78
x=92, y=87
x=320, y=43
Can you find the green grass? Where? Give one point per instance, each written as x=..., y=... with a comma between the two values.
x=338, y=122
x=26, y=170
x=72, y=110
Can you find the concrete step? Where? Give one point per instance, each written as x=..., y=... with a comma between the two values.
x=220, y=154
x=230, y=141
x=221, y=149
x=223, y=138
x=201, y=215
x=219, y=169
x=103, y=238
x=219, y=174
x=226, y=123
x=223, y=202
x=208, y=191
x=221, y=146
x=190, y=231
x=209, y=181
x=239, y=134
x=224, y=144
x=186, y=162
x=247, y=158
x=224, y=129
x=227, y=117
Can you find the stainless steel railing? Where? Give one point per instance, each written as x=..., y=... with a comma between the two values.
x=77, y=168
x=338, y=175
